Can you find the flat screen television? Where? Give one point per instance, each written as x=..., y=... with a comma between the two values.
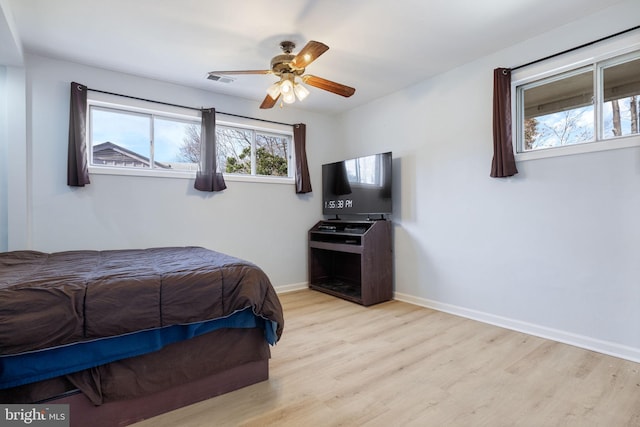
x=358, y=186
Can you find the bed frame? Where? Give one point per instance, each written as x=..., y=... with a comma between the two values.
x=125, y=412
x=131, y=390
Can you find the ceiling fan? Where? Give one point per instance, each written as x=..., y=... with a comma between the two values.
x=288, y=67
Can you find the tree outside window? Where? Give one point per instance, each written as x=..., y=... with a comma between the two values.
x=243, y=151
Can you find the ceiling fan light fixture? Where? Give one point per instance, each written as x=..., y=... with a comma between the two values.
x=286, y=86
x=300, y=91
x=274, y=90
x=289, y=97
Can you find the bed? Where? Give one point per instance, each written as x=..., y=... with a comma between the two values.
x=124, y=335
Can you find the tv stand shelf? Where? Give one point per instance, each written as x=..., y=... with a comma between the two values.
x=352, y=260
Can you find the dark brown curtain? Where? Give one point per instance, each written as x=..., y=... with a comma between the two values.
x=77, y=168
x=303, y=181
x=208, y=178
x=504, y=163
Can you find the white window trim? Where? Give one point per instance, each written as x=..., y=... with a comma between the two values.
x=584, y=57
x=133, y=105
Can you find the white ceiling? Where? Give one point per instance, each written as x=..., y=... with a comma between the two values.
x=376, y=46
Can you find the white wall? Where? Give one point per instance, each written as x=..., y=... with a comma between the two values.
x=263, y=223
x=554, y=251
x=14, y=196
x=12, y=116
x=4, y=212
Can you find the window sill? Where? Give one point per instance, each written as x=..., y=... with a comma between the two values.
x=590, y=147
x=104, y=170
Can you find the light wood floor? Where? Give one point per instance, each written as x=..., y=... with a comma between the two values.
x=396, y=364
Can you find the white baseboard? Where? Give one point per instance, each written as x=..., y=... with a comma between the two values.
x=283, y=289
x=605, y=347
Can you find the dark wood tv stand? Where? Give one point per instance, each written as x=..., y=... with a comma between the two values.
x=352, y=260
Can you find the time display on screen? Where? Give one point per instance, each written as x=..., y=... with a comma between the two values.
x=338, y=204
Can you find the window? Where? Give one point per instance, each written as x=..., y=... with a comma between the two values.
x=252, y=152
x=138, y=141
x=593, y=105
x=558, y=111
x=621, y=96
x=125, y=139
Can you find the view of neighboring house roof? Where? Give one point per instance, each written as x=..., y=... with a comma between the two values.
x=110, y=154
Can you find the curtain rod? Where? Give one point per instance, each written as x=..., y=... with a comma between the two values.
x=188, y=108
x=575, y=48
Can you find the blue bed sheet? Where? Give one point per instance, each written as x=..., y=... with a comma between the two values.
x=43, y=364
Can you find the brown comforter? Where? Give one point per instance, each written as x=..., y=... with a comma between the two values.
x=54, y=299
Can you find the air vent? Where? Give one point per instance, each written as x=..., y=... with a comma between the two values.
x=220, y=79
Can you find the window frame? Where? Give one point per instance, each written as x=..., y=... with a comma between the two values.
x=599, y=56
x=244, y=125
x=136, y=106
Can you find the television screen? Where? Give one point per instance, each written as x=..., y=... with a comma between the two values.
x=360, y=186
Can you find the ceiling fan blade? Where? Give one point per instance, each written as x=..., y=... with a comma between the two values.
x=328, y=85
x=224, y=73
x=309, y=53
x=268, y=102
